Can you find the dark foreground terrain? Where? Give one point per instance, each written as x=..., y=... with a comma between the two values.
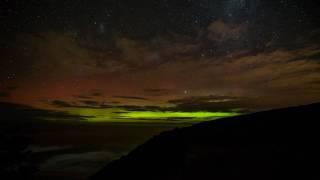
x=279, y=144
x=44, y=144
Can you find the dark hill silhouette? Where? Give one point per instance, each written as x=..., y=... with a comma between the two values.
x=278, y=144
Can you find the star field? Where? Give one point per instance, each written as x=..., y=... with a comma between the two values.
x=159, y=56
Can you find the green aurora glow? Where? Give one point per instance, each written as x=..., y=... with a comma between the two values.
x=121, y=115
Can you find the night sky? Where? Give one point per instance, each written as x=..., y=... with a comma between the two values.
x=159, y=61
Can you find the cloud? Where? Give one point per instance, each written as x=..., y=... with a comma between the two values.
x=97, y=94
x=276, y=77
x=89, y=95
x=6, y=91
x=215, y=103
x=140, y=108
x=4, y=94
x=132, y=98
x=16, y=113
x=219, y=31
x=61, y=54
x=11, y=88
x=94, y=104
x=84, y=163
x=41, y=149
x=136, y=53
x=89, y=104
x=151, y=72
x=83, y=97
x=156, y=92
x=60, y=103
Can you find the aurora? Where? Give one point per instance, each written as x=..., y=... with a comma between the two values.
x=83, y=83
x=121, y=115
x=170, y=114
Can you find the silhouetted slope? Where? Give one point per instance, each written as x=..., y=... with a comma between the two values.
x=16, y=161
x=279, y=144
